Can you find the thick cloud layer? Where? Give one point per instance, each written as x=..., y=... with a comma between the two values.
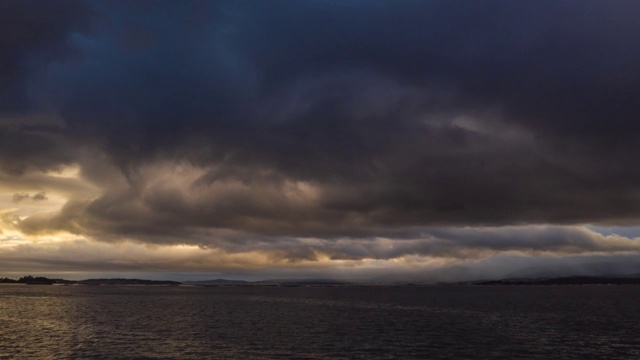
x=249, y=125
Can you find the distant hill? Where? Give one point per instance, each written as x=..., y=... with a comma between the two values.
x=126, y=282
x=218, y=282
x=614, y=279
x=39, y=280
x=274, y=282
x=302, y=282
x=569, y=280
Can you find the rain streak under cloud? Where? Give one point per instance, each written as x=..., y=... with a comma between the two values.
x=373, y=140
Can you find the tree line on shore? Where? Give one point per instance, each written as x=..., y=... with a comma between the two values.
x=29, y=279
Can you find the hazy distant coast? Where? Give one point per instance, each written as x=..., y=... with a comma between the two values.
x=571, y=280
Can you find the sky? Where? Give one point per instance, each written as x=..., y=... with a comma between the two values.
x=349, y=139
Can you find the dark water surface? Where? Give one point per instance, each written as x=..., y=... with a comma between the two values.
x=511, y=322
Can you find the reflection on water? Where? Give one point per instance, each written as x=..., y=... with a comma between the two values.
x=572, y=322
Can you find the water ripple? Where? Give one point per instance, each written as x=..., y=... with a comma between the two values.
x=110, y=322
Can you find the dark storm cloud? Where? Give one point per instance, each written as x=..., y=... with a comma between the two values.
x=339, y=118
x=33, y=34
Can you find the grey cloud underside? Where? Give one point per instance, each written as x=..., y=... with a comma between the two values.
x=396, y=114
x=86, y=257
x=18, y=197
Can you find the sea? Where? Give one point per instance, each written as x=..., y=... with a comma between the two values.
x=347, y=322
